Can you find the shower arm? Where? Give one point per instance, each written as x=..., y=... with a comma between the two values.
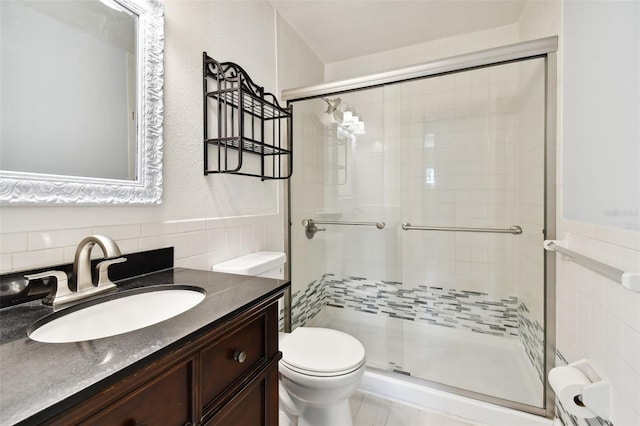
x=310, y=227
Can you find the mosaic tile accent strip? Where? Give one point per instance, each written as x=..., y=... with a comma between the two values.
x=307, y=303
x=532, y=338
x=569, y=419
x=474, y=311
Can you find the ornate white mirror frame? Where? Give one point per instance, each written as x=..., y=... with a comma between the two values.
x=19, y=188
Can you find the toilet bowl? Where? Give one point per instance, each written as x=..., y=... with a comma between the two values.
x=320, y=368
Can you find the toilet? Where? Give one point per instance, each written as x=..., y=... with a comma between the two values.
x=320, y=367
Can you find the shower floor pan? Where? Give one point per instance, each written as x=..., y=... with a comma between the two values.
x=489, y=365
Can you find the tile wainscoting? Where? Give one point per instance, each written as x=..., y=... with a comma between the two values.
x=198, y=244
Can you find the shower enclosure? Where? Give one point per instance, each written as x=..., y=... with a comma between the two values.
x=420, y=199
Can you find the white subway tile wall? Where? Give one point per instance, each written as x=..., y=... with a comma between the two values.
x=198, y=244
x=596, y=317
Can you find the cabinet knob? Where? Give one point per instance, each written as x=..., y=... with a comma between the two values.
x=240, y=356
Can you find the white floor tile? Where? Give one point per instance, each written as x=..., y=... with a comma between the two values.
x=373, y=410
x=401, y=414
x=355, y=402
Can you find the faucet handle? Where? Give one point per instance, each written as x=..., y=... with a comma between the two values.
x=59, y=289
x=102, y=270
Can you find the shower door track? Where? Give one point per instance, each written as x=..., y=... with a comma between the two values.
x=544, y=48
x=464, y=62
x=465, y=393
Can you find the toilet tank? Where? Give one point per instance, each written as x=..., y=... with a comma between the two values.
x=268, y=264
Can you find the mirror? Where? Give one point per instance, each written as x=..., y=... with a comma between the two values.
x=81, y=101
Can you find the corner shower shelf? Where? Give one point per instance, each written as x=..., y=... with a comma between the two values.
x=247, y=120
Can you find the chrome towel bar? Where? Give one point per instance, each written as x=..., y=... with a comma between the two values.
x=629, y=280
x=311, y=228
x=514, y=229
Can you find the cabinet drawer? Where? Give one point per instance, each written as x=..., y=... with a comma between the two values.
x=230, y=358
x=166, y=400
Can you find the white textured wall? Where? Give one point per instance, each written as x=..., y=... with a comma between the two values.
x=198, y=207
x=297, y=64
x=240, y=32
x=422, y=52
x=539, y=18
x=601, y=97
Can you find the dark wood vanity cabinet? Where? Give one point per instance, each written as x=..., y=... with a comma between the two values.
x=228, y=376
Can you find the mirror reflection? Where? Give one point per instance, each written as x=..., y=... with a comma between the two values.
x=68, y=88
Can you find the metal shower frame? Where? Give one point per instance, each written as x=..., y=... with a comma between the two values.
x=544, y=48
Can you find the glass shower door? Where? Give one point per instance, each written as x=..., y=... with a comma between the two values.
x=472, y=156
x=461, y=150
x=342, y=276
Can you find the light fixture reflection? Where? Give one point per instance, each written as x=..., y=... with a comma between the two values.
x=345, y=116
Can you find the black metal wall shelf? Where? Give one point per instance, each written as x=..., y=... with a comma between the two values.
x=242, y=118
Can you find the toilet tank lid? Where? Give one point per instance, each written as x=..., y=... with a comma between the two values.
x=252, y=264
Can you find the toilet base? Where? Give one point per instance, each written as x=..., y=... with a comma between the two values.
x=338, y=414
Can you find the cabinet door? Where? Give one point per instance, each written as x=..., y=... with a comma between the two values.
x=257, y=405
x=166, y=400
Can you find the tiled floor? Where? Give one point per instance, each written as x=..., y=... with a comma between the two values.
x=372, y=410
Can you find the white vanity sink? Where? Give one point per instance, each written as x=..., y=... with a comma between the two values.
x=116, y=314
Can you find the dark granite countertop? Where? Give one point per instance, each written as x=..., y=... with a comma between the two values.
x=38, y=380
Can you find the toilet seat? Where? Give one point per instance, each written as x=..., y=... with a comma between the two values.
x=321, y=352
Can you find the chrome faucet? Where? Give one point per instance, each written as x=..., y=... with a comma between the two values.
x=82, y=284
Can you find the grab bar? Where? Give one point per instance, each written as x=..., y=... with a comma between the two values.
x=310, y=227
x=630, y=281
x=514, y=229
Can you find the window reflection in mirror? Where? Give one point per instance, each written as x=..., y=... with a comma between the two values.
x=68, y=88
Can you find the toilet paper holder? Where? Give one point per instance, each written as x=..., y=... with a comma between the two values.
x=596, y=396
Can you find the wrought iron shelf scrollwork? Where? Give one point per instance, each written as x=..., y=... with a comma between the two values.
x=239, y=118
